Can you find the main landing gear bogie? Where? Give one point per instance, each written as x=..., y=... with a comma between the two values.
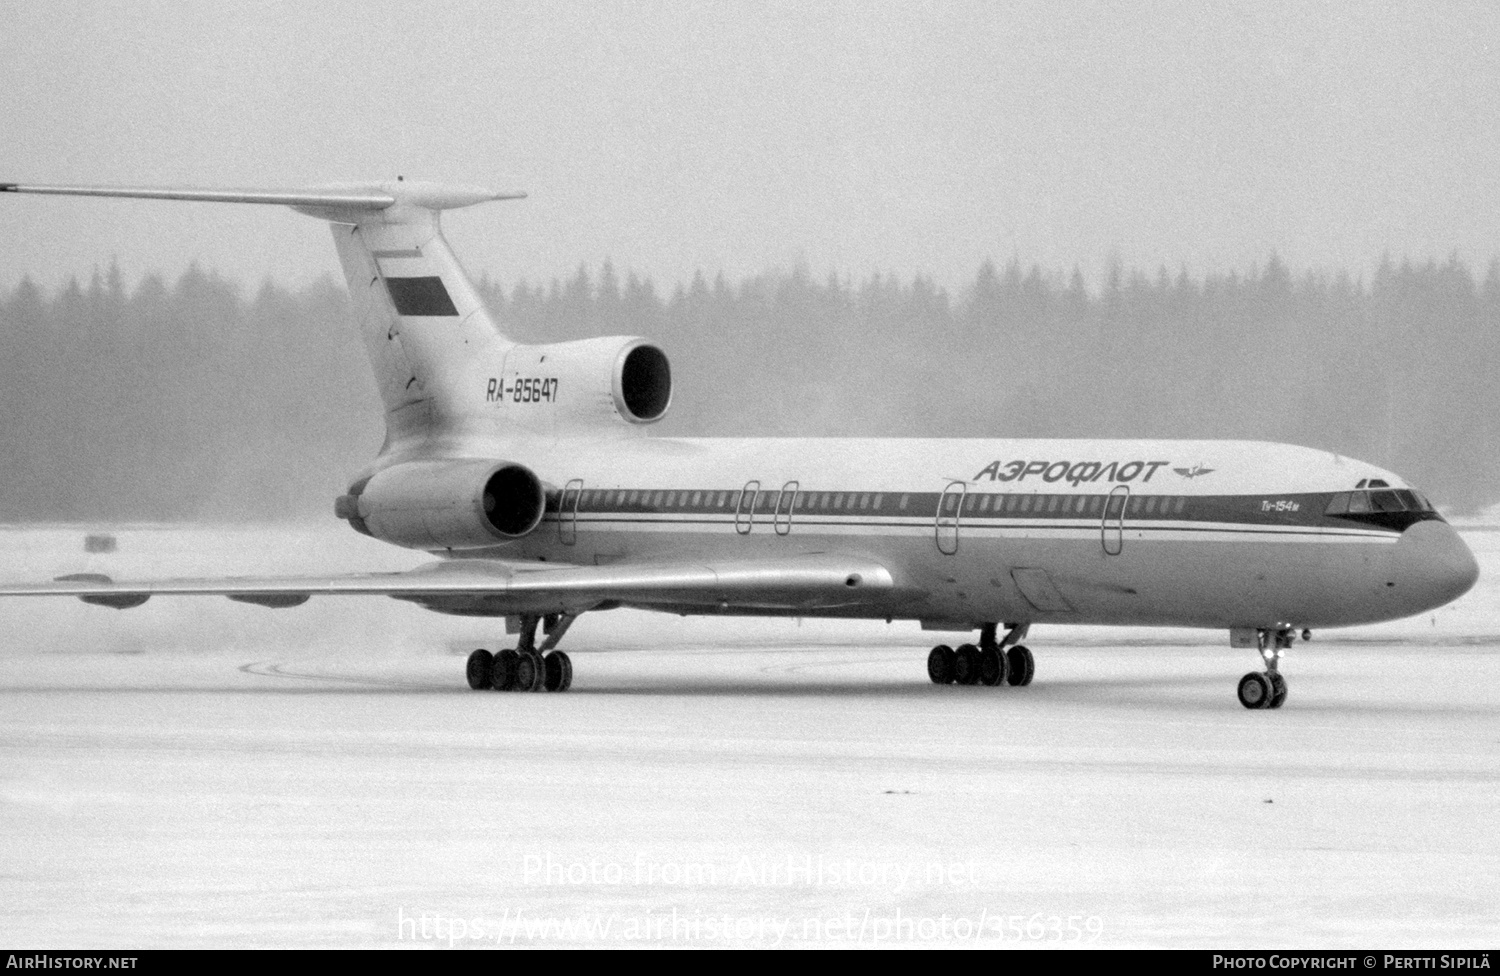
x=526, y=667
x=512, y=670
x=991, y=662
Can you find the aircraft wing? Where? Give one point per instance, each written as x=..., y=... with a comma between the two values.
x=492, y=587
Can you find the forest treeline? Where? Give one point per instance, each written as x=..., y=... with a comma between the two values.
x=200, y=399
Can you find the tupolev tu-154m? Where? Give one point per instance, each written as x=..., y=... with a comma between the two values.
x=528, y=471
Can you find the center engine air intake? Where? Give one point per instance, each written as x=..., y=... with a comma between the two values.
x=446, y=504
x=643, y=387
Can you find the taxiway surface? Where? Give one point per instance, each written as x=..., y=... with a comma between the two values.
x=200, y=773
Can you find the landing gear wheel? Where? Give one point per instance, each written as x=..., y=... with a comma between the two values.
x=1278, y=690
x=966, y=665
x=531, y=673
x=1255, y=690
x=991, y=666
x=941, y=665
x=1022, y=666
x=558, y=669
x=503, y=673
x=479, y=669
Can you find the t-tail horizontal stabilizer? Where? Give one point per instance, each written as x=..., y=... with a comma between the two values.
x=317, y=201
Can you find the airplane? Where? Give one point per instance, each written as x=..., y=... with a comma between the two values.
x=528, y=470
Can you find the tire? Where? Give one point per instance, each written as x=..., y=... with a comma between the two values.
x=992, y=667
x=558, y=670
x=503, y=675
x=1278, y=690
x=966, y=665
x=1255, y=690
x=1022, y=666
x=531, y=674
x=940, y=665
x=479, y=669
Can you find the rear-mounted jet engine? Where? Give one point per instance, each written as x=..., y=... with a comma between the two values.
x=446, y=504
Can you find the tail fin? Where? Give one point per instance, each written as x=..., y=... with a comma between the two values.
x=425, y=329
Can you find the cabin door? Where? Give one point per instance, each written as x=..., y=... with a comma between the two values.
x=781, y=519
x=949, y=511
x=1112, y=528
x=744, y=509
x=567, y=512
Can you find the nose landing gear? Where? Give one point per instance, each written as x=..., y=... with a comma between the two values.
x=1267, y=689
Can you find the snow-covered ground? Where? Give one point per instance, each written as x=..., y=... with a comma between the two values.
x=201, y=773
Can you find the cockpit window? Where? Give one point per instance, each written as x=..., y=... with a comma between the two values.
x=1389, y=507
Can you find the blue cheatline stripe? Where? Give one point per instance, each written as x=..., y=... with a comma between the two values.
x=803, y=526
x=1295, y=512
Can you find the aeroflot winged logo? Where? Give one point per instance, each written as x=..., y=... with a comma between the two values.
x=1073, y=472
x=1194, y=471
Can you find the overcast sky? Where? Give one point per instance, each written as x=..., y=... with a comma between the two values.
x=911, y=137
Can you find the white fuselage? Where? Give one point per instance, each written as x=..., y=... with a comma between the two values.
x=1200, y=533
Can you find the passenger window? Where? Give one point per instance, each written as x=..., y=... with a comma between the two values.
x=1180, y=505
x=1025, y=503
x=697, y=497
x=864, y=502
x=1151, y=505
x=878, y=498
x=1135, y=504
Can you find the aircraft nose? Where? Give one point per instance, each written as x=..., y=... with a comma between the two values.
x=1433, y=566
